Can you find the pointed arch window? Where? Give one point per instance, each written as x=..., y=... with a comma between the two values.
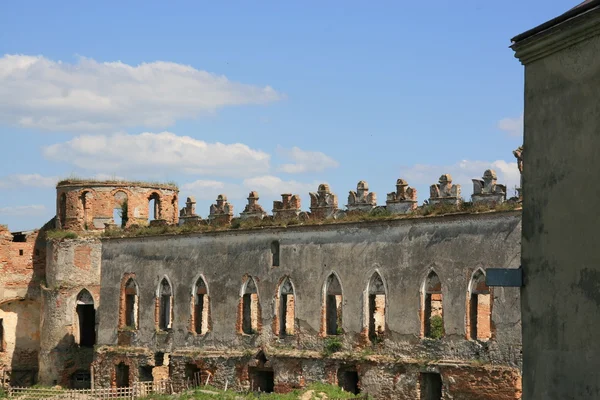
x=433, y=310
x=333, y=305
x=287, y=307
x=200, y=307
x=376, y=306
x=250, y=310
x=479, y=316
x=86, y=319
x=154, y=206
x=165, y=305
x=130, y=304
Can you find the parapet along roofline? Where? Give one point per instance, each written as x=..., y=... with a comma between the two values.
x=325, y=224
x=113, y=183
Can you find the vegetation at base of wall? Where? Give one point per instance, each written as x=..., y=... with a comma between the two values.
x=436, y=327
x=3, y=394
x=332, y=344
x=319, y=390
x=61, y=234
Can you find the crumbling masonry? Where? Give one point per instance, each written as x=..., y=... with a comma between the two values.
x=259, y=309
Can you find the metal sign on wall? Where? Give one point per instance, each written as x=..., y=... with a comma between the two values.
x=506, y=277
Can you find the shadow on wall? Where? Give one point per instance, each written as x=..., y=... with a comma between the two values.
x=25, y=360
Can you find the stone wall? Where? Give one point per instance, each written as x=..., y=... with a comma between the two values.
x=401, y=252
x=73, y=269
x=89, y=205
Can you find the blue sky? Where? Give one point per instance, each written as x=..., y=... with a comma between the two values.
x=228, y=97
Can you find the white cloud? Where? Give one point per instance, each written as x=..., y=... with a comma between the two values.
x=273, y=186
x=36, y=92
x=305, y=161
x=210, y=189
x=462, y=173
x=18, y=181
x=512, y=126
x=157, y=153
x=22, y=211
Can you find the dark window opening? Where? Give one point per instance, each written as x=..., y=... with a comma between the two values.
x=37, y=252
x=165, y=300
x=196, y=376
x=433, y=315
x=146, y=373
x=201, y=308
x=348, y=380
x=261, y=379
x=20, y=252
x=250, y=308
x=81, y=380
x=376, y=304
x=87, y=325
x=333, y=306
x=275, y=253
x=122, y=375
x=23, y=377
x=62, y=210
x=286, y=309
x=159, y=359
x=1, y=334
x=431, y=386
x=19, y=237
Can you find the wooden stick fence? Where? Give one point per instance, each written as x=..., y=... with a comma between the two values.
x=136, y=391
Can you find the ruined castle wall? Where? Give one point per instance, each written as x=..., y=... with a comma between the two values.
x=89, y=205
x=21, y=272
x=403, y=252
x=72, y=266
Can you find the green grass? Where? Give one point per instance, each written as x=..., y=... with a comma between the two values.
x=60, y=234
x=437, y=327
x=332, y=392
x=332, y=344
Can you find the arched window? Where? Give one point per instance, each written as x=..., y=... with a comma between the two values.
x=479, y=317
x=86, y=319
x=250, y=307
x=164, y=302
x=62, y=210
x=86, y=205
x=433, y=311
x=377, y=305
x=120, y=209
x=200, y=310
x=131, y=303
x=154, y=206
x=286, y=310
x=333, y=305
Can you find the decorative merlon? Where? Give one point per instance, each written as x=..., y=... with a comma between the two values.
x=403, y=200
x=362, y=200
x=444, y=192
x=188, y=213
x=253, y=209
x=222, y=211
x=323, y=203
x=288, y=207
x=487, y=190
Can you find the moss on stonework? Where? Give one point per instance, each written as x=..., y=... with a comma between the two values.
x=75, y=180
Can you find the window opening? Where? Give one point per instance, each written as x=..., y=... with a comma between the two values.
x=348, y=380
x=131, y=304
x=165, y=304
x=122, y=375
x=153, y=207
x=260, y=373
x=286, y=308
x=433, y=314
x=275, y=253
x=146, y=373
x=62, y=210
x=250, y=308
x=377, y=304
x=333, y=306
x=81, y=380
x=431, y=386
x=86, y=315
x=480, y=320
x=1, y=335
x=120, y=210
x=201, y=308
